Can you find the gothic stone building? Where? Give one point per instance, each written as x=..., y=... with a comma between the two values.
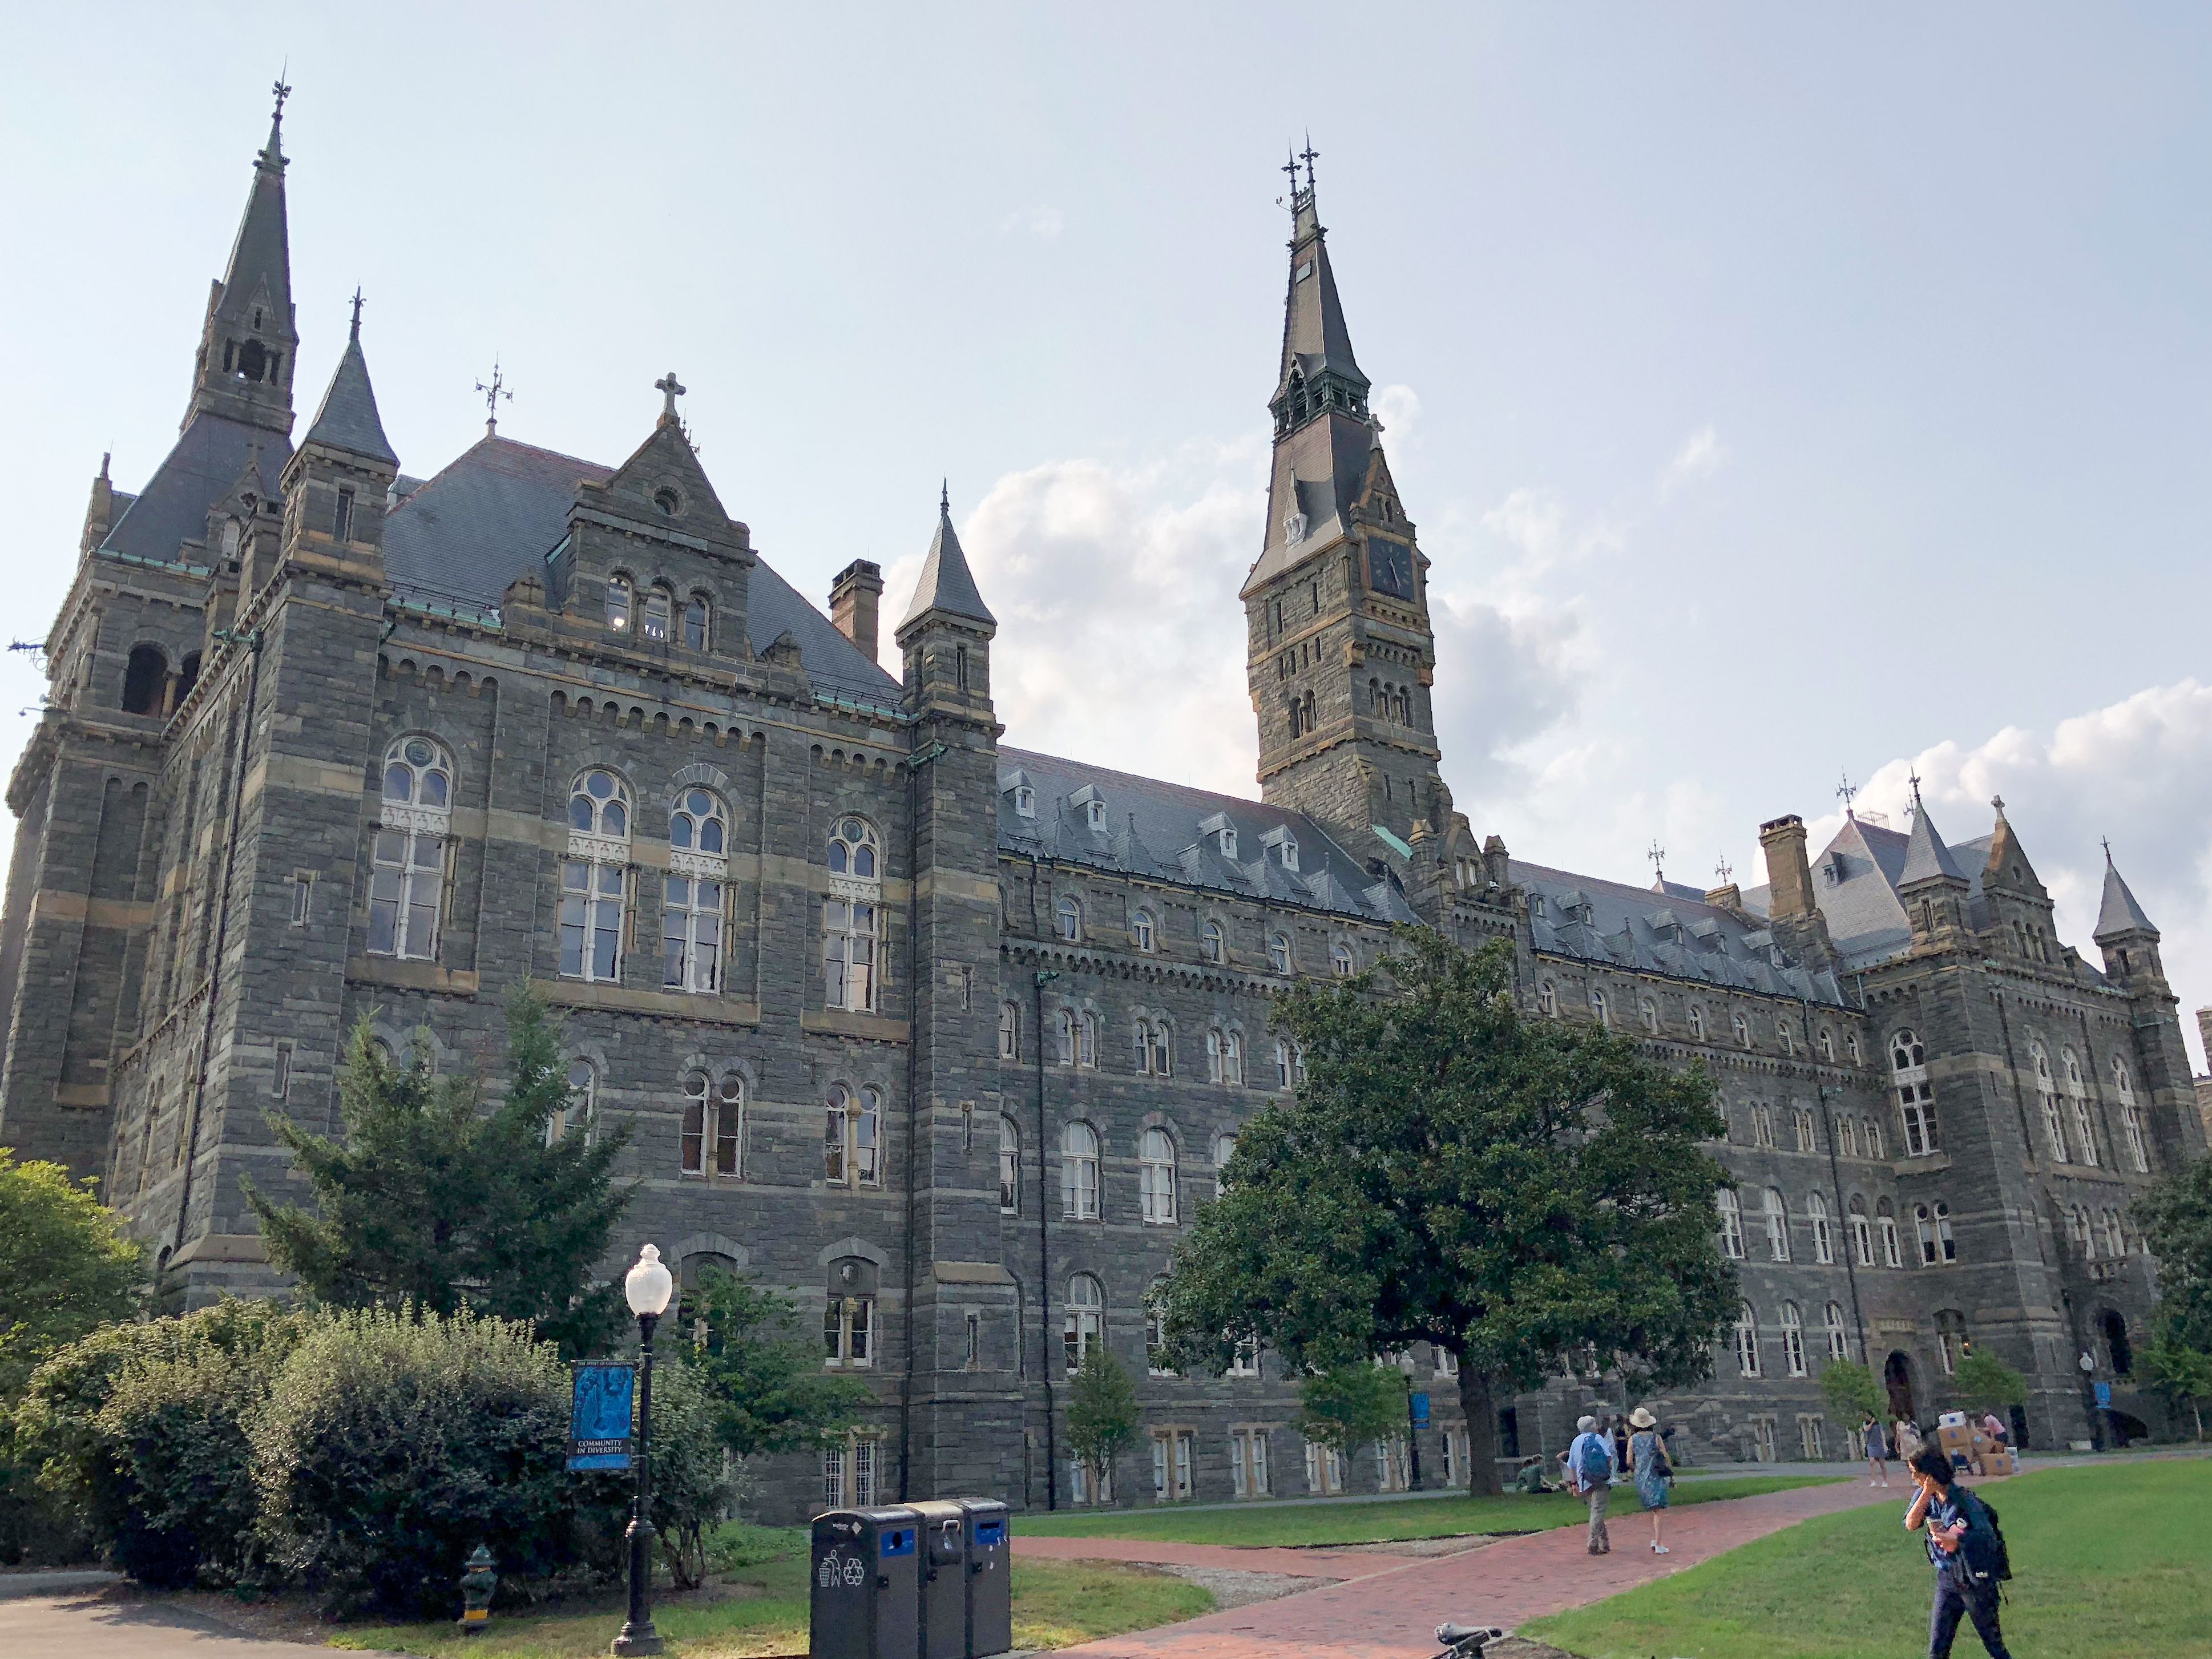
x=947, y=1037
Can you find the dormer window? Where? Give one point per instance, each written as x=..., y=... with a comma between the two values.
x=1285, y=846
x=1024, y=801
x=1228, y=842
x=1094, y=814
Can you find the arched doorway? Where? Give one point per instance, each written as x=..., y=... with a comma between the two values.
x=1897, y=1378
x=2118, y=1351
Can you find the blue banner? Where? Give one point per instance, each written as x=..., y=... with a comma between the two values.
x=600, y=1415
x=2105, y=1395
x=1420, y=1410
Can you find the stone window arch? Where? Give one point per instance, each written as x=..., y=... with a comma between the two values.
x=1156, y=1176
x=1142, y=932
x=1278, y=952
x=1067, y=919
x=1155, y=1046
x=1079, y=1172
x=1816, y=1218
x=714, y=1137
x=1084, y=1326
x=694, y=892
x=1224, y=1148
x=594, y=877
x=407, y=855
x=851, y=917
x=146, y=680
x=1731, y=1213
x=1916, y=1095
x=1010, y=1167
x=1861, y=1231
x=1793, y=1340
x=1010, y=1030
x=1884, y=1222
x=1778, y=1226
x=1747, y=1341
x=852, y=1136
x=1832, y=1325
x=1211, y=940
x=1341, y=960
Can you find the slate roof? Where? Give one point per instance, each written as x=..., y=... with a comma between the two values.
x=1671, y=931
x=1926, y=857
x=462, y=536
x=209, y=456
x=946, y=584
x=2120, y=913
x=1172, y=833
x=347, y=419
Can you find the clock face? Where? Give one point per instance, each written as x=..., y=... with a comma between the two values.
x=1390, y=568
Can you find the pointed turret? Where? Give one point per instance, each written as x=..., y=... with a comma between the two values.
x=2119, y=916
x=1926, y=857
x=347, y=419
x=946, y=639
x=1931, y=886
x=248, y=343
x=946, y=584
x=339, y=481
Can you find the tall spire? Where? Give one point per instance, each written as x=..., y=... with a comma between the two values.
x=347, y=419
x=1318, y=370
x=1925, y=855
x=2119, y=916
x=946, y=585
x=248, y=343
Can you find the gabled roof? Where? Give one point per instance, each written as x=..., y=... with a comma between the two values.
x=208, y=458
x=347, y=419
x=946, y=585
x=2120, y=914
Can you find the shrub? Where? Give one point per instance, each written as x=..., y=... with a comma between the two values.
x=393, y=1444
x=694, y=1483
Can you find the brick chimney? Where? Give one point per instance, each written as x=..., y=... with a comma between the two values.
x=855, y=599
x=1789, y=875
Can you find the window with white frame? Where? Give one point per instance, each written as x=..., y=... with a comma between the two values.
x=849, y=1472
x=852, y=1137
x=1747, y=1341
x=660, y=605
x=1847, y=1137
x=1808, y=1137
x=1024, y=801
x=1085, y=1324
x=1788, y=1038
x=1010, y=1030
x=848, y=1329
x=691, y=894
x=697, y=616
x=1078, y=1483
x=1079, y=1173
x=1282, y=1063
x=2085, y=1134
x=1324, y=1470
x=2116, y=1242
x=852, y=918
x=1649, y=1011
x=1210, y=940
x=1447, y=1362
x=1808, y=1438
x=1831, y=1326
x=1777, y=1227
x=1892, y=1255
x=1951, y=1341
x=1742, y=1032
x=407, y=876
x=2131, y=1118
x=1391, y=1464
x=1075, y=1035
x=1870, y=1137
x=1156, y=1328
x=1793, y=1338
x=1599, y=1010
x=1816, y=1216
x=1916, y=1095
x=1827, y=1041
x=1457, y=1469
x=1861, y=1232
x=1762, y=1126
x=1933, y=1224
x=619, y=603
x=1247, y=1463
x=1762, y=1441
x=1172, y=1458
x=1224, y=1148
x=1731, y=1222
x=1278, y=952
x=714, y=1137
x=1067, y=920
x=2046, y=1091
x=1547, y=998
x=1010, y=1166
x=1696, y=1022
x=1155, y=1049
x=593, y=877
x=1851, y=1046
x=1340, y=960
x=1156, y=1176
x=579, y=1110
x=1244, y=1358
x=1140, y=931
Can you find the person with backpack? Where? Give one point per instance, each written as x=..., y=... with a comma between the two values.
x=1589, y=1466
x=1653, y=1468
x=1965, y=1549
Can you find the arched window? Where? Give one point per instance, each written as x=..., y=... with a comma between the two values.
x=1282, y=1063
x=2116, y=1244
x=1793, y=1338
x=1696, y=1022
x=581, y=1108
x=1278, y=952
x=1816, y=1216
x=1649, y=1011
x=1140, y=931
x=1915, y=1096
x=1156, y=1176
x=1547, y=998
x=1067, y=920
x=407, y=874
x=1224, y=1147
x=1599, y=1011
x=695, y=619
x=1213, y=1054
x=852, y=918
x=1742, y=1031
x=2046, y=1091
x=1340, y=960
x=1777, y=1227
x=619, y=603
x=692, y=894
x=1951, y=1341
x=1861, y=1232
x=1851, y=1046
x=1232, y=1057
x=1788, y=1039
x=1010, y=1030
x=1747, y=1341
x=593, y=876
x=713, y=1125
x=660, y=605
x=2131, y=1120
x=1010, y=1166
x=1762, y=1126
x=1155, y=1049
x=1156, y=1320
x=1731, y=1224
x=1209, y=940
x=1884, y=1222
x=1933, y=1223
x=1827, y=1041
x=851, y=1138
x=1079, y=1173
x=1832, y=1325
x=1870, y=1137
x=146, y=681
x=1085, y=1324
x=1847, y=1137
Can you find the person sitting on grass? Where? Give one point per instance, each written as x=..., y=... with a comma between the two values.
x=1653, y=1469
x=1530, y=1477
x=1962, y=1547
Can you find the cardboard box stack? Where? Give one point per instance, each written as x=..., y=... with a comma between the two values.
x=1971, y=1451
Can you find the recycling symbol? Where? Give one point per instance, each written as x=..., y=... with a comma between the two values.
x=856, y=1570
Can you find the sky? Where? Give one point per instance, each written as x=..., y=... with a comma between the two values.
x=1781, y=394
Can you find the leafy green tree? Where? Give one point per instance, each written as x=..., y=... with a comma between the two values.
x=1984, y=1383
x=1850, y=1387
x=2179, y=1374
x=1514, y=1191
x=2176, y=1218
x=431, y=1202
x=66, y=1266
x=1352, y=1406
x=1101, y=1413
x=767, y=1389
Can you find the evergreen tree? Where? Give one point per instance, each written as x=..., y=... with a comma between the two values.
x=430, y=1200
x=1519, y=1192
x=1102, y=1414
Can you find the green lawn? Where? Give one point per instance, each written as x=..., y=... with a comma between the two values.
x=760, y=1608
x=1381, y=1521
x=2108, y=1563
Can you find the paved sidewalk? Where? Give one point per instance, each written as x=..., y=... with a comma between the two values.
x=102, y=1625
x=1393, y=1613
x=1363, y=1562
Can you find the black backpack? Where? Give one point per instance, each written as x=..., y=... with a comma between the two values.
x=1983, y=1545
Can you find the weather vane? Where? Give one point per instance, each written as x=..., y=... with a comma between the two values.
x=493, y=393
x=1657, y=854
x=1847, y=792
x=1722, y=870
x=1308, y=155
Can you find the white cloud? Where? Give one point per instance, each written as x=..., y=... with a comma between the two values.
x=1043, y=223
x=1700, y=456
x=1398, y=407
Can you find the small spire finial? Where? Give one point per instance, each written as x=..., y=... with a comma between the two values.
x=357, y=303
x=670, y=391
x=2106, y=842
x=1914, y=779
x=944, y=497
x=1722, y=870
x=1847, y=792
x=1997, y=801
x=493, y=393
x=1657, y=854
x=1308, y=155
x=104, y=456
x=282, y=91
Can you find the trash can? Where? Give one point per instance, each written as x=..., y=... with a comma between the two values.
x=944, y=1580
x=990, y=1578
x=865, y=1602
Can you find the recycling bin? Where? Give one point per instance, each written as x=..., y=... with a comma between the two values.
x=944, y=1580
x=866, y=1599
x=990, y=1578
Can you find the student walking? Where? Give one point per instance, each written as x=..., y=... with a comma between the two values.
x=1877, y=1450
x=1964, y=1548
x=1653, y=1469
x=1590, y=1466
x=1908, y=1442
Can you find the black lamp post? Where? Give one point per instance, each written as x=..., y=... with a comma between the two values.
x=647, y=1289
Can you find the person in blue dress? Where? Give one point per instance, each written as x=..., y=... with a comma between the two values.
x=1653, y=1469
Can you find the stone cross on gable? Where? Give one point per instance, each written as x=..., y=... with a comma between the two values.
x=670, y=391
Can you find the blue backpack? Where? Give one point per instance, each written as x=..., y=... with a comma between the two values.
x=1594, y=1463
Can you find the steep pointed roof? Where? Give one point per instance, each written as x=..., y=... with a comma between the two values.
x=261, y=254
x=1926, y=857
x=946, y=584
x=348, y=418
x=1316, y=340
x=2119, y=914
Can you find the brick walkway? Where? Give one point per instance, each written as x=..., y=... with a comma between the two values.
x=1292, y=1563
x=1388, y=1608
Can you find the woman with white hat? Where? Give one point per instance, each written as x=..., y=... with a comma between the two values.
x=1652, y=1468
